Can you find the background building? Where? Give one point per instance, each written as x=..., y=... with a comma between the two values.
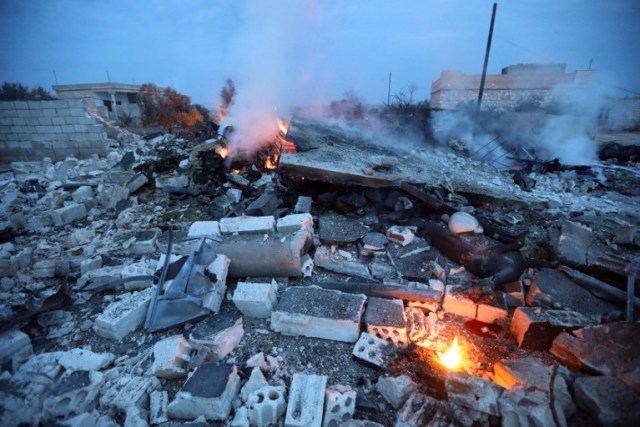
x=113, y=101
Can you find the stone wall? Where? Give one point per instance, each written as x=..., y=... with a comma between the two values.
x=31, y=130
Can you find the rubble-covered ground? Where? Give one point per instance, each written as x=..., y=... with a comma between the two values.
x=81, y=240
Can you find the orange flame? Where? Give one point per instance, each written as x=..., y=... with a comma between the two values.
x=271, y=162
x=283, y=126
x=452, y=358
x=222, y=152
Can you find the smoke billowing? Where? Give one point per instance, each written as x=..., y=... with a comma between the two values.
x=271, y=63
x=227, y=93
x=562, y=128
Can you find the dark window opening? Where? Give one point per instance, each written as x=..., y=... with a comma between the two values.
x=118, y=102
x=109, y=105
x=132, y=98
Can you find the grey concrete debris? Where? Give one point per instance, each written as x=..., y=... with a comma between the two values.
x=208, y=392
x=603, y=350
x=536, y=328
x=306, y=401
x=220, y=334
x=333, y=315
x=608, y=400
x=473, y=392
x=395, y=390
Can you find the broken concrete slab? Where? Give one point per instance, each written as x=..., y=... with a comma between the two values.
x=124, y=315
x=204, y=228
x=401, y=235
x=385, y=319
x=306, y=401
x=315, y=312
x=170, y=357
x=609, y=400
x=219, y=333
x=456, y=301
x=535, y=328
x=80, y=359
x=339, y=229
x=413, y=261
x=552, y=288
x=208, y=392
x=336, y=261
x=256, y=299
x=248, y=225
x=418, y=410
x=295, y=222
x=574, y=244
x=473, y=392
x=158, y=401
x=520, y=407
x=609, y=349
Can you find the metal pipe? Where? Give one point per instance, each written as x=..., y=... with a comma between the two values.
x=486, y=55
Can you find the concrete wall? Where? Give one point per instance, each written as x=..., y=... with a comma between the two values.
x=31, y=130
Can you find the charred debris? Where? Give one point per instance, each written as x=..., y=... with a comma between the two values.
x=324, y=279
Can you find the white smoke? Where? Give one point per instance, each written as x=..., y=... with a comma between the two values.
x=269, y=83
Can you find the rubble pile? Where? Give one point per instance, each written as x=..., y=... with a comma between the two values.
x=164, y=284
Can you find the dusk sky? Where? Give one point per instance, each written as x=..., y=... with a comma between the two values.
x=296, y=52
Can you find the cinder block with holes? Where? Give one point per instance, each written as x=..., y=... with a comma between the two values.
x=416, y=327
x=385, y=319
x=339, y=405
x=306, y=401
x=371, y=349
x=266, y=405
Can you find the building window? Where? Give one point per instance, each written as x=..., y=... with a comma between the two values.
x=132, y=98
x=108, y=104
x=118, y=102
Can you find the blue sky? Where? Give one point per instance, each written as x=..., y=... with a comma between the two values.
x=286, y=53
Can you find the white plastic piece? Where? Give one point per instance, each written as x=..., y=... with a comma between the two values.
x=462, y=222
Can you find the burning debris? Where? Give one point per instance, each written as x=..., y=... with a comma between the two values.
x=325, y=278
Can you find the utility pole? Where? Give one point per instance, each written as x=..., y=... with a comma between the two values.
x=486, y=56
x=108, y=77
x=389, y=90
x=55, y=77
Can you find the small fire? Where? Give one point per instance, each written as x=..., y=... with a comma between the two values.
x=452, y=358
x=283, y=126
x=222, y=152
x=271, y=162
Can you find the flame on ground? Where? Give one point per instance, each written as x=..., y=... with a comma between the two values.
x=222, y=152
x=452, y=358
x=283, y=126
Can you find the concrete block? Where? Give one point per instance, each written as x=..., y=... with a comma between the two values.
x=306, y=401
x=124, y=315
x=205, y=228
x=135, y=417
x=45, y=268
x=371, y=349
x=255, y=299
x=44, y=121
x=74, y=394
x=574, y=244
x=181, y=181
x=266, y=405
x=255, y=382
x=220, y=333
x=79, y=359
x=110, y=195
x=293, y=223
x=417, y=329
x=125, y=390
x=494, y=312
x=136, y=182
x=68, y=214
x=90, y=264
x=88, y=419
x=170, y=357
x=456, y=301
x=208, y=392
x=248, y=225
x=395, y=390
x=400, y=234
x=265, y=204
x=535, y=328
x=158, y=407
x=82, y=194
x=473, y=392
x=521, y=407
x=339, y=405
x=303, y=204
x=14, y=345
x=145, y=243
x=333, y=315
x=385, y=319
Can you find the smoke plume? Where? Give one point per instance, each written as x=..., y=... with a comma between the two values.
x=227, y=93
